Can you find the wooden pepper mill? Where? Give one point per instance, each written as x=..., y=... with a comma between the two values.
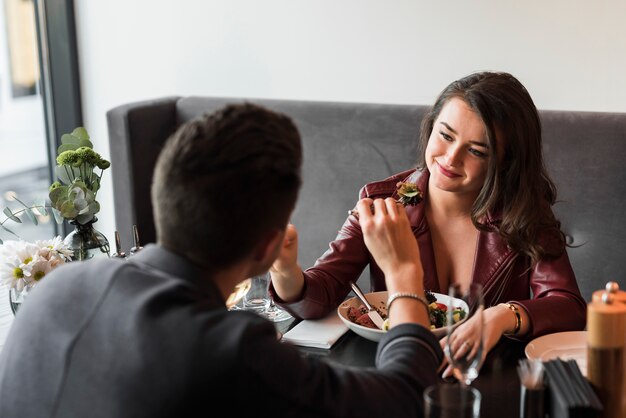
x=606, y=357
x=613, y=288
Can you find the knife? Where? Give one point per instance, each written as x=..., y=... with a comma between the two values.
x=371, y=312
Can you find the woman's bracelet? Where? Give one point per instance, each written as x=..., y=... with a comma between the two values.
x=518, y=318
x=399, y=295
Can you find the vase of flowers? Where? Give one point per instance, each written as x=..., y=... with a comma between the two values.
x=25, y=264
x=86, y=242
x=74, y=194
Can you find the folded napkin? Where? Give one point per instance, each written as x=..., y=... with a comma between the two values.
x=571, y=394
x=317, y=333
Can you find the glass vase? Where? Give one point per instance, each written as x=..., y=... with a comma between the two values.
x=86, y=242
x=16, y=297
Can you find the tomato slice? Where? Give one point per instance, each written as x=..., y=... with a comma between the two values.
x=442, y=306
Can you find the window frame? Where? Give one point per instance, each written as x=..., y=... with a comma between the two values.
x=60, y=77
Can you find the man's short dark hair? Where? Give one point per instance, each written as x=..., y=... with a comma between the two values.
x=225, y=179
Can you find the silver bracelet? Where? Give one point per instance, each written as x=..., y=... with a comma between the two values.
x=415, y=296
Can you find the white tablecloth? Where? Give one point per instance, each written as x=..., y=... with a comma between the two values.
x=6, y=315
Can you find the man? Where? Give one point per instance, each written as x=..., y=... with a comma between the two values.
x=151, y=336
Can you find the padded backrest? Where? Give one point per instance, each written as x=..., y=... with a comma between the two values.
x=584, y=154
x=349, y=144
x=345, y=146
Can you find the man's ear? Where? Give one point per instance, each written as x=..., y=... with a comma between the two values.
x=269, y=246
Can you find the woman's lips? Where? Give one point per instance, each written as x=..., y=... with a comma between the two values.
x=446, y=172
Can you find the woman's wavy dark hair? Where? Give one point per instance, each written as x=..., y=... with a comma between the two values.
x=517, y=186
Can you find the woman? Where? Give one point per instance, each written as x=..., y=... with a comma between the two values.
x=485, y=217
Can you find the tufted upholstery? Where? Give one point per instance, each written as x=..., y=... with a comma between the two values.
x=349, y=144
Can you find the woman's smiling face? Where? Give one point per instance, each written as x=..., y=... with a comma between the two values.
x=458, y=151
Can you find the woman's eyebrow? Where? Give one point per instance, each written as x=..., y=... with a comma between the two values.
x=478, y=143
x=449, y=127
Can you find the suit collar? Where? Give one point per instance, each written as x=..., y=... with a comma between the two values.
x=162, y=259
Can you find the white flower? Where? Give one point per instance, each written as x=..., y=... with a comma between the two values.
x=41, y=267
x=54, y=248
x=16, y=261
x=23, y=263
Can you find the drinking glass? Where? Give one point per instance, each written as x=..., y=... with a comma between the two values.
x=464, y=343
x=451, y=401
x=258, y=300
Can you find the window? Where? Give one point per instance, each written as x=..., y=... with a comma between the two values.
x=37, y=39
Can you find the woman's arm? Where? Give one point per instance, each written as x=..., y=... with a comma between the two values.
x=285, y=272
x=325, y=285
x=557, y=304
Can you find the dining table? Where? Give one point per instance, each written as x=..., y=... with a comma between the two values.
x=498, y=381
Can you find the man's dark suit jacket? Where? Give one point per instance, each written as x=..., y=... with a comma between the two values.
x=147, y=338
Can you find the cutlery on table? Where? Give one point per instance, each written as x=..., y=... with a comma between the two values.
x=371, y=312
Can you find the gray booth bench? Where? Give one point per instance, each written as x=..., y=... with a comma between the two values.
x=349, y=144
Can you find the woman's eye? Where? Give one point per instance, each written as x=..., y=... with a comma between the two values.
x=445, y=136
x=478, y=153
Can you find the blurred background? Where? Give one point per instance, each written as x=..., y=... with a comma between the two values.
x=570, y=54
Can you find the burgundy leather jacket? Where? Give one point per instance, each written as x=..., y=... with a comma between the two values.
x=548, y=291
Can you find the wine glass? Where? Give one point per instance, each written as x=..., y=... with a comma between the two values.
x=464, y=343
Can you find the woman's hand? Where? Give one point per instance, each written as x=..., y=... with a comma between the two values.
x=285, y=272
x=287, y=259
x=496, y=323
x=388, y=236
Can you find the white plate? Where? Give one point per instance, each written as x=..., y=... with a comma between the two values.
x=563, y=345
x=379, y=300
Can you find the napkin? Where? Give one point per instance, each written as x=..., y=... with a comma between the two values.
x=317, y=333
x=571, y=394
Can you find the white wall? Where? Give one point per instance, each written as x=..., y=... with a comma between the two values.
x=570, y=54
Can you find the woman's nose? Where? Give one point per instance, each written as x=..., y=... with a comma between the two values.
x=452, y=156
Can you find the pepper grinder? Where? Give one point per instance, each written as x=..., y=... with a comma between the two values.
x=606, y=356
x=137, y=247
x=613, y=288
x=118, y=248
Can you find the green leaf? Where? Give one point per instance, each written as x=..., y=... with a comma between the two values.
x=69, y=139
x=84, y=218
x=22, y=203
x=10, y=215
x=95, y=185
x=85, y=143
x=8, y=230
x=42, y=208
x=56, y=194
x=94, y=207
x=32, y=216
x=58, y=218
x=61, y=173
x=80, y=133
x=68, y=211
x=66, y=147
